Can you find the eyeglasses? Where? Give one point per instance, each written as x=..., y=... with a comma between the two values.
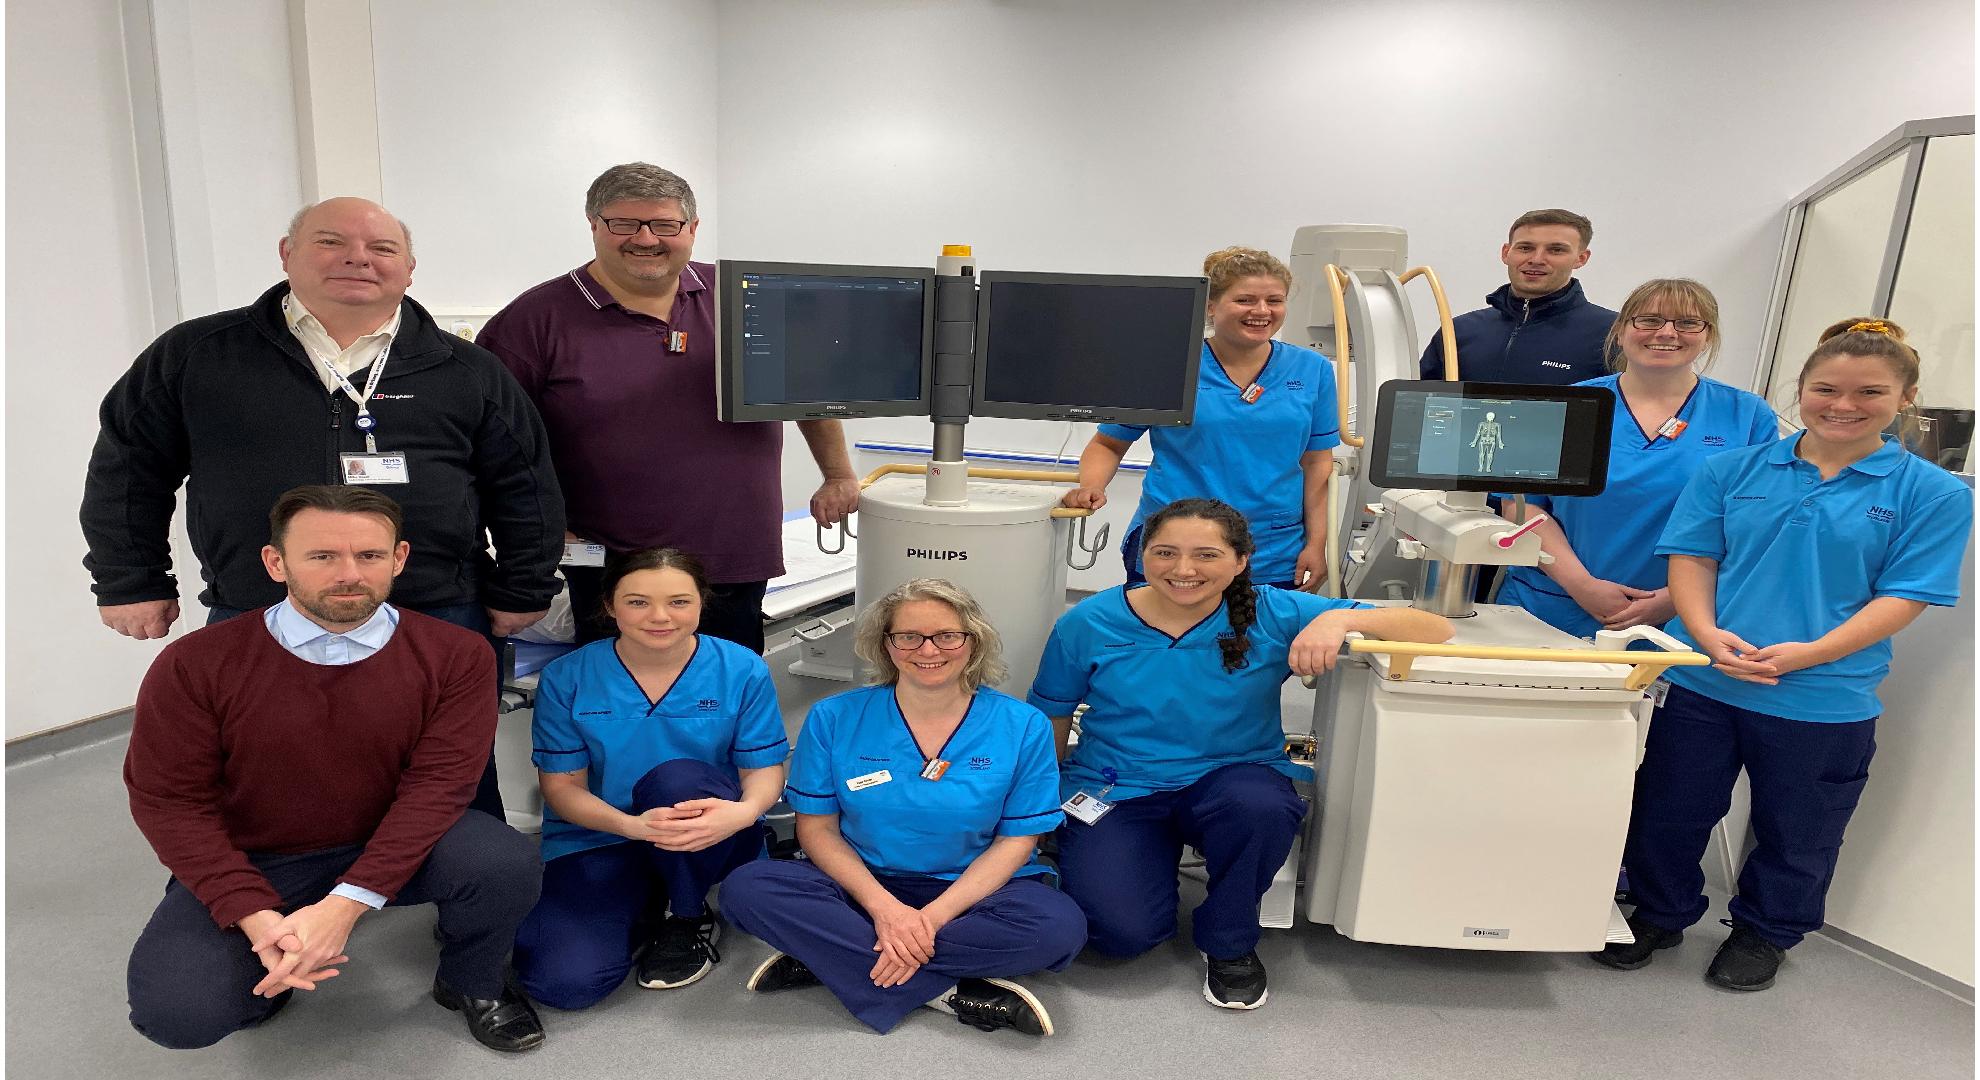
x=947, y=640
x=1656, y=322
x=627, y=226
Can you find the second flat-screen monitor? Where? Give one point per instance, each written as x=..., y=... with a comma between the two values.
x=1502, y=437
x=1088, y=347
x=803, y=341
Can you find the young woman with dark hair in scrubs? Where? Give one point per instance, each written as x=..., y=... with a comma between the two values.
x=1181, y=742
x=920, y=801
x=1792, y=565
x=1669, y=420
x=1263, y=439
x=658, y=752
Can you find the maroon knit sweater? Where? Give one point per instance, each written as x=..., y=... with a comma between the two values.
x=239, y=746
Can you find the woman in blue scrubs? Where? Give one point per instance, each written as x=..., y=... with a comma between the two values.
x=1792, y=565
x=658, y=752
x=1264, y=435
x=1182, y=743
x=920, y=801
x=1669, y=420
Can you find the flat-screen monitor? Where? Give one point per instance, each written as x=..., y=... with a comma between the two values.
x=1503, y=437
x=1092, y=347
x=804, y=341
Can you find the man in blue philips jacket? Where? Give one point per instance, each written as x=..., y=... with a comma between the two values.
x=1537, y=328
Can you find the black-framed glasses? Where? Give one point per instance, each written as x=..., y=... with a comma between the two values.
x=629, y=226
x=1656, y=322
x=947, y=640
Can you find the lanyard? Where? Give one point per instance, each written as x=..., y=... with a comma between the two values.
x=365, y=422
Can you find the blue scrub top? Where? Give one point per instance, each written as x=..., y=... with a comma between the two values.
x=1246, y=454
x=1002, y=780
x=1799, y=555
x=1160, y=711
x=1614, y=533
x=592, y=715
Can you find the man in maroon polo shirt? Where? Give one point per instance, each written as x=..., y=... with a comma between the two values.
x=619, y=357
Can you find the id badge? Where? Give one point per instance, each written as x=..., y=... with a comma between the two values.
x=375, y=469
x=1672, y=428
x=1084, y=807
x=1658, y=691
x=872, y=779
x=582, y=553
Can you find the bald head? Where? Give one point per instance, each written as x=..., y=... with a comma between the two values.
x=349, y=262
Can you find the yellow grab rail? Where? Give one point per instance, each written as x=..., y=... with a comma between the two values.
x=1042, y=475
x=1645, y=666
x=1337, y=285
x=1446, y=331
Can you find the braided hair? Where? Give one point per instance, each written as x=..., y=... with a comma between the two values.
x=1240, y=603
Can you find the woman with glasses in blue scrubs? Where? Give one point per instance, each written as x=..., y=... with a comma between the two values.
x=658, y=752
x=1792, y=565
x=1181, y=742
x=920, y=801
x=1669, y=420
x=1263, y=439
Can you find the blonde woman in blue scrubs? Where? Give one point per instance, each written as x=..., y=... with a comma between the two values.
x=1669, y=420
x=1792, y=566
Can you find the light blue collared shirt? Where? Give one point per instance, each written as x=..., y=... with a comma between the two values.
x=307, y=641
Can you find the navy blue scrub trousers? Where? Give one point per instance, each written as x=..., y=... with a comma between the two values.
x=1122, y=869
x=601, y=904
x=1024, y=926
x=192, y=983
x=1805, y=778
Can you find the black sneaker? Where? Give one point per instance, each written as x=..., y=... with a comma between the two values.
x=1746, y=961
x=989, y=1004
x=1238, y=983
x=681, y=953
x=1649, y=939
x=781, y=972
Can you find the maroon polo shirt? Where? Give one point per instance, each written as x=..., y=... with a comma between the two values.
x=633, y=435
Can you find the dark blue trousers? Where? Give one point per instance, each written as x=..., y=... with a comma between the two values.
x=600, y=905
x=1122, y=870
x=487, y=794
x=1806, y=779
x=1024, y=926
x=192, y=983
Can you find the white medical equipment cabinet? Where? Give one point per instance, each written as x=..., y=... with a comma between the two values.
x=1474, y=794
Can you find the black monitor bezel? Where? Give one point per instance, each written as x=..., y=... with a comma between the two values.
x=980, y=405
x=1380, y=475
x=729, y=369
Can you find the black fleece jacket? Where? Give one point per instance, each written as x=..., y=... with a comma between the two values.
x=231, y=405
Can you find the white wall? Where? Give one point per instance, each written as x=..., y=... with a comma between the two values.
x=78, y=310
x=493, y=118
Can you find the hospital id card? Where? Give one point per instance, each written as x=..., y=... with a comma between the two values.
x=1658, y=691
x=1085, y=807
x=582, y=553
x=375, y=469
x=872, y=779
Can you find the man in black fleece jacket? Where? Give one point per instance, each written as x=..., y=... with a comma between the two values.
x=246, y=404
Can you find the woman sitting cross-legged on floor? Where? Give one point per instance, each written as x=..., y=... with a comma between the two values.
x=920, y=802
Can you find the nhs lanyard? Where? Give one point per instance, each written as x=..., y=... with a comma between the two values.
x=365, y=421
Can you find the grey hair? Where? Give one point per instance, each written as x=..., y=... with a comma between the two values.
x=295, y=224
x=638, y=181
x=986, y=656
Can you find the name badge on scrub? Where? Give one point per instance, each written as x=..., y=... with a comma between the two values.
x=582, y=553
x=934, y=769
x=375, y=469
x=872, y=779
x=1087, y=808
x=1672, y=428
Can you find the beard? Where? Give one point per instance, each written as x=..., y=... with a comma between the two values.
x=340, y=609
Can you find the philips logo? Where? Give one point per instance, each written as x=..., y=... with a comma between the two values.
x=1882, y=514
x=937, y=556
x=1557, y=364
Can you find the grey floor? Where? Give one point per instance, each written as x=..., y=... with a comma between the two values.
x=81, y=881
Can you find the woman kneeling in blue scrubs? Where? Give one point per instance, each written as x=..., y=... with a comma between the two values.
x=1182, y=743
x=1669, y=420
x=920, y=802
x=658, y=752
x=1819, y=548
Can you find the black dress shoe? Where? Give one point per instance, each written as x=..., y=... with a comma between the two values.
x=508, y=1023
x=1637, y=953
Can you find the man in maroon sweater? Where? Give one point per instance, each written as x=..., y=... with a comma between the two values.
x=300, y=767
